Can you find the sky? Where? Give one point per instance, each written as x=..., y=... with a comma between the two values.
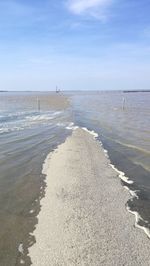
x=74, y=44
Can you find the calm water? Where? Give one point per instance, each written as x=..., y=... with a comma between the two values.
x=125, y=133
x=27, y=136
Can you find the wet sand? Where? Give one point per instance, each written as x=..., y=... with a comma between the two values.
x=83, y=219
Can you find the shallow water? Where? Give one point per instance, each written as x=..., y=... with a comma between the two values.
x=26, y=137
x=122, y=122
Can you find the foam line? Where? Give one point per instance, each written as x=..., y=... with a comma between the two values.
x=137, y=219
x=122, y=175
x=128, y=181
x=20, y=248
x=92, y=132
x=132, y=192
x=71, y=126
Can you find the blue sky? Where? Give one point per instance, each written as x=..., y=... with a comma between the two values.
x=75, y=44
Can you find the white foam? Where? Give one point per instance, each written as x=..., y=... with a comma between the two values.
x=105, y=152
x=60, y=124
x=125, y=179
x=20, y=248
x=57, y=113
x=133, y=193
x=32, y=211
x=137, y=219
x=40, y=118
x=71, y=126
x=122, y=175
x=4, y=130
x=22, y=261
x=92, y=132
x=8, y=129
x=26, y=120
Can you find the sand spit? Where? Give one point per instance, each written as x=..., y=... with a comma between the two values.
x=83, y=220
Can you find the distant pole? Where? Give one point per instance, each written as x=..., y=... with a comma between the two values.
x=123, y=103
x=38, y=104
x=57, y=90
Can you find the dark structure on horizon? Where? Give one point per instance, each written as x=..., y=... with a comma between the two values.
x=136, y=91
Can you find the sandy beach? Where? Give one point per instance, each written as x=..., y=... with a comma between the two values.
x=83, y=218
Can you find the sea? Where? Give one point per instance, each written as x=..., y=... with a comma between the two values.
x=27, y=134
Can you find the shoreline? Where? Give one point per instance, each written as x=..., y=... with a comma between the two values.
x=126, y=180
x=27, y=135
x=71, y=200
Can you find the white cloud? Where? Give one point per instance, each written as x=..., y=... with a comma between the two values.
x=95, y=8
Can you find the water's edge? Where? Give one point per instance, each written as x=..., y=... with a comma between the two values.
x=125, y=181
x=35, y=208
